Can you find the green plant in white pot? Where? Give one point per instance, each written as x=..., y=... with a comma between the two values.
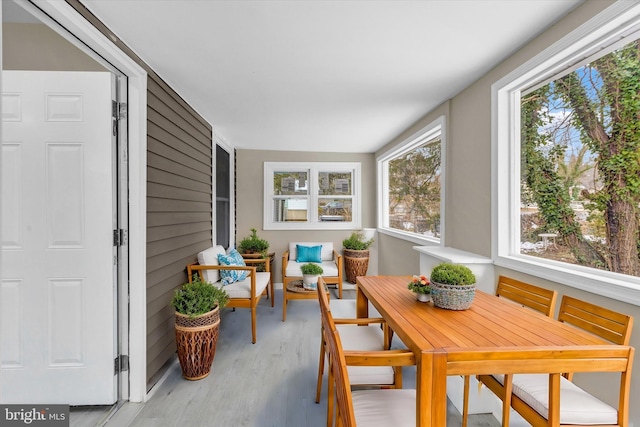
x=310, y=274
x=453, y=286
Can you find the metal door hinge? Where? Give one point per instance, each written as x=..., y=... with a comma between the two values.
x=119, y=110
x=120, y=237
x=120, y=364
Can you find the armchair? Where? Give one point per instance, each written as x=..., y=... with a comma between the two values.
x=243, y=294
x=330, y=261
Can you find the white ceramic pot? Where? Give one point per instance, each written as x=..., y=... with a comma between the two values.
x=310, y=281
x=423, y=297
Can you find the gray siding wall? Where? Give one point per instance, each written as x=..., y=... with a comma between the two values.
x=179, y=200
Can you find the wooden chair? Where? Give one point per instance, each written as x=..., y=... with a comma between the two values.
x=371, y=334
x=527, y=295
x=244, y=294
x=545, y=400
x=378, y=407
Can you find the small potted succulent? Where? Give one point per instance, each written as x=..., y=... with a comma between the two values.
x=356, y=255
x=310, y=274
x=453, y=286
x=421, y=286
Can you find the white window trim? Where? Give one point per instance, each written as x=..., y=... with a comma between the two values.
x=430, y=131
x=616, y=21
x=313, y=168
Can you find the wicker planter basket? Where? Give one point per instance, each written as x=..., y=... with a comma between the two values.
x=356, y=263
x=196, y=340
x=452, y=297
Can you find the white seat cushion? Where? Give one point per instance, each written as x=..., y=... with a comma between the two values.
x=385, y=408
x=329, y=268
x=370, y=375
x=365, y=338
x=242, y=289
x=346, y=309
x=576, y=405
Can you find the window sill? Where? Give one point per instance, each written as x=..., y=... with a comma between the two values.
x=410, y=237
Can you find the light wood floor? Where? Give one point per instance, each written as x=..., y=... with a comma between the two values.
x=267, y=384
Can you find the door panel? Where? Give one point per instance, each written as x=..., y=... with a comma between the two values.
x=58, y=286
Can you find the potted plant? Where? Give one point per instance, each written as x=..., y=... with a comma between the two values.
x=453, y=286
x=310, y=274
x=253, y=244
x=421, y=286
x=356, y=255
x=197, y=306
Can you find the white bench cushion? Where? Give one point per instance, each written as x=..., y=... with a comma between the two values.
x=384, y=408
x=576, y=405
x=326, y=252
x=210, y=257
x=329, y=268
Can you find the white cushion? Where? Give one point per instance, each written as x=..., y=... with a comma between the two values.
x=210, y=257
x=326, y=254
x=346, y=309
x=385, y=408
x=329, y=268
x=242, y=289
x=576, y=405
x=371, y=375
x=365, y=338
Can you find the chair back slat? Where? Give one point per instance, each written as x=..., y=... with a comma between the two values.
x=607, y=324
x=337, y=363
x=531, y=296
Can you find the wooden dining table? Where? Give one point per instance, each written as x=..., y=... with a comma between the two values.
x=494, y=336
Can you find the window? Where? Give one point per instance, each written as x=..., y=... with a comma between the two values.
x=223, y=197
x=566, y=164
x=411, y=187
x=301, y=196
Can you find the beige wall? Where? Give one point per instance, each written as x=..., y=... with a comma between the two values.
x=48, y=51
x=249, y=190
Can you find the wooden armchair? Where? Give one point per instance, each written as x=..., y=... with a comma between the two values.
x=378, y=407
x=243, y=294
x=330, y=261
x=551, y=400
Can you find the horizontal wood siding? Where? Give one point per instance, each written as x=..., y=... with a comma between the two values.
x=179, y=198
x=179, y=210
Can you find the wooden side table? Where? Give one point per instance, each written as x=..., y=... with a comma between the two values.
x=272, y=258
x=294, y=290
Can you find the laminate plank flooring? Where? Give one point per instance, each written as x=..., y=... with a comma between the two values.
x=268, y=384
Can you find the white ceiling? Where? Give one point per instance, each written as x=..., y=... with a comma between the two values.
x=337, y=76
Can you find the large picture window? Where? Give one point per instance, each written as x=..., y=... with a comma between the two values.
x=311, y=195
x=411, y=186
x=568, y=144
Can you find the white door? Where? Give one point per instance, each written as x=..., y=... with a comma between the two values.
x=57, y=339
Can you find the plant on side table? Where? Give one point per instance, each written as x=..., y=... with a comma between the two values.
x=453, y=286
x=253, y=244
x=197, y=304
x=421, y=286
x=356, y=255
x=310, y=274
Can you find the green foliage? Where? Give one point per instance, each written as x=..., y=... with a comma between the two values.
x=356, y=241
x=253, y=243
x=198, y=297
x=420, y=284
x=452, y=274
x=311, y=269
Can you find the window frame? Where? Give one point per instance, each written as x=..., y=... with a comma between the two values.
x=425, y=134
x=603, y=31
x=313, y=169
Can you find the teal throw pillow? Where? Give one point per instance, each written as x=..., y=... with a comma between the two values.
x=309, y=253
x=231, y=276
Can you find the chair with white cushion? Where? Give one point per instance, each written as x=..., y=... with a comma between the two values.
x=527, y=295
x=245, y=293
x=566, y=403
x=367, y=408
x=321, y=253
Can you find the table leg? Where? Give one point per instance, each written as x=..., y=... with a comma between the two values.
x=362, y=304
x=439, y=390
x=425, y=391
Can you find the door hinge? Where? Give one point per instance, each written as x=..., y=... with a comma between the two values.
x=119, y=110
x=120, y=364
x=120, y=237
